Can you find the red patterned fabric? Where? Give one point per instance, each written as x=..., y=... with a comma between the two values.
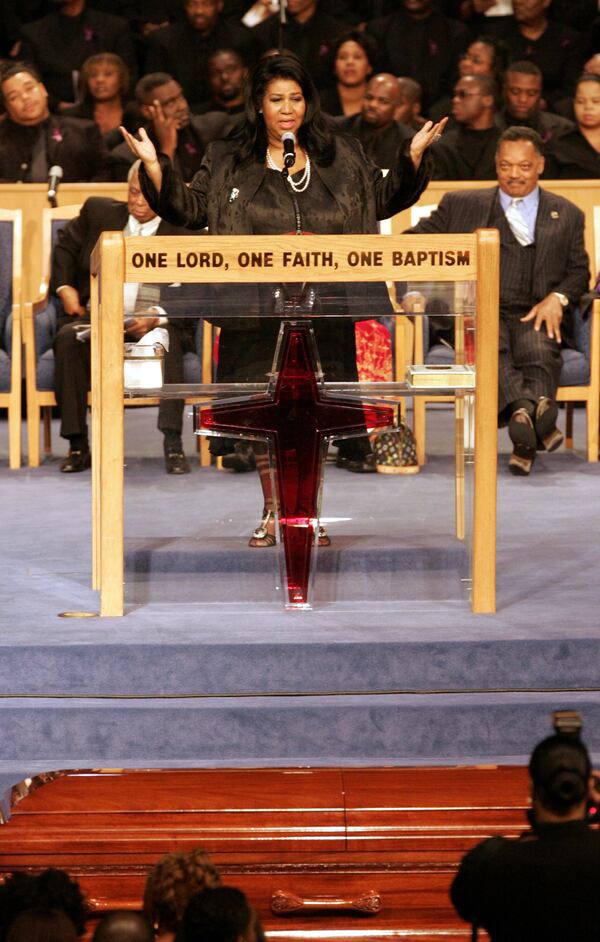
x=373, y=352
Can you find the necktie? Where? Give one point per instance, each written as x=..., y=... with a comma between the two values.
x=517, y=223
x=39, y=160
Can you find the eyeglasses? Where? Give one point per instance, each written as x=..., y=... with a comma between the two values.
x=461, y=93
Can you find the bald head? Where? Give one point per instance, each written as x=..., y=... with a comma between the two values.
x=592, y=66
x=381, y=101
x=124, y=927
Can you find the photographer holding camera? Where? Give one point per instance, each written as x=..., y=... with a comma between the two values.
x=544, y=884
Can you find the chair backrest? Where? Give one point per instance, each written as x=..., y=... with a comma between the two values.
x=53, y=220
x=10, y=265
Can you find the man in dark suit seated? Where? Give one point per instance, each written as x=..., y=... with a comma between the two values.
x=183, y=48
x=522, y=93
x=543, y=273
x=376, y=126
x=32, y=140
x=467, y=150
x=71, y=283
x=176, y=132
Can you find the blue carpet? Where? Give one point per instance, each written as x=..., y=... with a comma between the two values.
x=390, y=667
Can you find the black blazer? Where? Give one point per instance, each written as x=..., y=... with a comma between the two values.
x=71, y=143
x=71, y=258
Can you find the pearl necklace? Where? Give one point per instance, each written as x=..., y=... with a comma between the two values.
x=302, y=183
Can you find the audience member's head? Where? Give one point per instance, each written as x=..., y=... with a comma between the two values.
x=302, y=10
x=222, y=914
x=586, y=103
x=474, y=100
x=353, y=56
x=162, y=88
x=172, y=883
x=560, y=772
x=124, y=926
x=592, y=66
x=411, y=99
x=522, y=90
x=519, y=161
x=41, y=925
x=23, y=94
x=203, y=15
x=531, y=12
x=486, y=55
x=137, y=204
x=381, y=101
x=103, y=77
x=50, y=890
x=418, y=9
x=227, y=75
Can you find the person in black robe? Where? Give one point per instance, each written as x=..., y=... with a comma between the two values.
x=468, y=149
x=59, y=43
x=184, y=48
x=376, y=128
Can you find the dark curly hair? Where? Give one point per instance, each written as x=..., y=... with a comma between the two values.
x=171, y=884
x=50, y=890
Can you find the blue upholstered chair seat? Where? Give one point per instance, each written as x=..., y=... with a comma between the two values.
x=4, y=371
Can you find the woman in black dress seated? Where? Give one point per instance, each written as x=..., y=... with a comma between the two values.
x=577, y=153
x=240, y=189
x=353, y=58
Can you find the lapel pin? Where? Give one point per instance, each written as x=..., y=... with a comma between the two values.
x=554, y=214
x=234, y=194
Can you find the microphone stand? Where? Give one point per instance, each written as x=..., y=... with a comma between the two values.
x=285, y=173
x=282, y=22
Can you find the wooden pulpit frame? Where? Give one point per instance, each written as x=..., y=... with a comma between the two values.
x=116, y=260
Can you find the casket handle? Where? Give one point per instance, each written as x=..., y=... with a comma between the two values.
x=283, y=902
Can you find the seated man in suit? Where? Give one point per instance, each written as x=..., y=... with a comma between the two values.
x=543, y=273
x=71, y=283
x=165, y=114
x=376, y=126
x=32, y=140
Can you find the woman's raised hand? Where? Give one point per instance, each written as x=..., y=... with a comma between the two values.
x=430, y=133
x=142, y=148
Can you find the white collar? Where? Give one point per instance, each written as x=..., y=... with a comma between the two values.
x=135, y=228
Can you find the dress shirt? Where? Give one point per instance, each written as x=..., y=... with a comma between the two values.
x=528, y=207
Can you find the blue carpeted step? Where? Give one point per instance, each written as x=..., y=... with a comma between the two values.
x=238, y=667
x=355, y=730
x=371, y=555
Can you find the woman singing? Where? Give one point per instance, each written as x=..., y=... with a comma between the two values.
x=332, y=188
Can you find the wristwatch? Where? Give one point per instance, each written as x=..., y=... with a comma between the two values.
x=562, y=298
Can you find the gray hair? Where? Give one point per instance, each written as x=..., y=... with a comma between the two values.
x=135, y=168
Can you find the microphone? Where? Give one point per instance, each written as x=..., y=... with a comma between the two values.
x=288, y=139
x=54, y=177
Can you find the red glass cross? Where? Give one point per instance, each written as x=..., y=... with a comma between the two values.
x=297, y=418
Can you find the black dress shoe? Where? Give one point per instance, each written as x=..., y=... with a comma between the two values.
x=240, y=459
x=365, y=465
x=176, y=463
x=524, y=439
x=77, y=461
x=546, y=414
